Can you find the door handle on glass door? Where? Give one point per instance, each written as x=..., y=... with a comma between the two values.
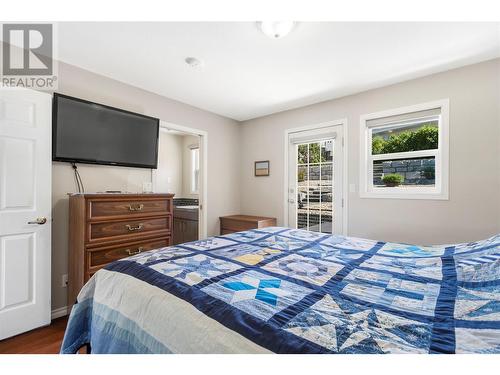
x=291, y=201
x=39, y=221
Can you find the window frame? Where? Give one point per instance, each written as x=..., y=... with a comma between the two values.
x=441, y=155
x=195, y=170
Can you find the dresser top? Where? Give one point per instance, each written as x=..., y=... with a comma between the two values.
x=247, y=218
x=122, y=195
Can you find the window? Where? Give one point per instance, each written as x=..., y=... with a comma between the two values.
x=404, y=153
x=195, y=170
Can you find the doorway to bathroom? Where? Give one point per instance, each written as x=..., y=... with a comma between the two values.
x=182, y=172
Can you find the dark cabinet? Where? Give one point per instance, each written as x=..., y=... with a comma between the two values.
x=177, y=233
x=185, y=226
x=190, y=230
x=184, y=230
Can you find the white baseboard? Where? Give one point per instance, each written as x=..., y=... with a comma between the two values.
x=57, y=313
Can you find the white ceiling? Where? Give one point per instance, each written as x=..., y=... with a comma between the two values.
x=248, y=75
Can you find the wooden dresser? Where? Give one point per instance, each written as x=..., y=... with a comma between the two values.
x=237, y=223
x=107, y=227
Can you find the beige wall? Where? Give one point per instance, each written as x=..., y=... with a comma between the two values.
x=174, y=164
x=169, y=175
x=473, y=210
x=223, y=141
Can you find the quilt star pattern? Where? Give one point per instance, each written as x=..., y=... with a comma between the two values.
x=194, y=269
x=295, y=291
x=248, y=254
x=257, y=293
x=346, y=327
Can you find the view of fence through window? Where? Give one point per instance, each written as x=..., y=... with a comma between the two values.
x=418, y=142
x=315, y=186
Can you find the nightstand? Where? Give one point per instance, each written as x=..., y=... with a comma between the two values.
x=237, y=223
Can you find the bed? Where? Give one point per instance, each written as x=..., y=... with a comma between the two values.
x=281, y=290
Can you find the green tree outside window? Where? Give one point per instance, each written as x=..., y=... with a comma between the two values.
x=424, y=138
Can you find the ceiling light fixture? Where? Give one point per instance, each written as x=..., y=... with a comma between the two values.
x=193, y=62
x=276, y=29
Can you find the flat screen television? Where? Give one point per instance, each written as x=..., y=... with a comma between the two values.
x=87, y=132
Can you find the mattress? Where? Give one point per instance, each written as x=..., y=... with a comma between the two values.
x=281, y=290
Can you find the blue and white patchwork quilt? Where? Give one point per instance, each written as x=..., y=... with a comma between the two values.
x=293, y=291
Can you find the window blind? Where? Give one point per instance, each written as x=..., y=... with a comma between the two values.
x=406, y=117
x=296, y=139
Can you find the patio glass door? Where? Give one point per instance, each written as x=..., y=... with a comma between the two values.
x=315, y=185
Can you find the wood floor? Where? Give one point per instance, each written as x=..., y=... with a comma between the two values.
x=45, y=340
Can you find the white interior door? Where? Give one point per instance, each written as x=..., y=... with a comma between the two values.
x=315, y=186
x=25, y=210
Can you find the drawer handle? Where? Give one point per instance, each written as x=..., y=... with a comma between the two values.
x=131, y=228
x=138, y=251
x=138, y=207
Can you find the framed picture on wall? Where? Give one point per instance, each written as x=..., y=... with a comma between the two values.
x=262, y=168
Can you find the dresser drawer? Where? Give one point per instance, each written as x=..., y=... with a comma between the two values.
x=101, y=256
x=128, y=228
x=98, y=209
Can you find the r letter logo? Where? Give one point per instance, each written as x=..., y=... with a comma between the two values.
x=28, y=56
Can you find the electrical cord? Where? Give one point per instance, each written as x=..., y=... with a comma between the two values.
x=78, y=179
x=73, y=165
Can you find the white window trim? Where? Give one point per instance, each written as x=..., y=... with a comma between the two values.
x=440, y=191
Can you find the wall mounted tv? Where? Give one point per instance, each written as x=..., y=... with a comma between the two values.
x=86, y=132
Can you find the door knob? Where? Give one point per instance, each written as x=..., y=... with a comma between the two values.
x=39, y=221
